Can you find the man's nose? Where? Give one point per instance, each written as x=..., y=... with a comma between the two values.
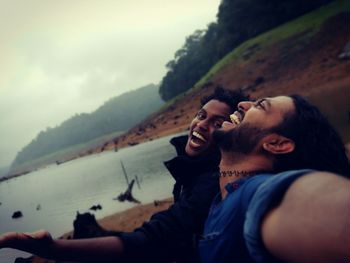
x=203, y=124
x=245, y=105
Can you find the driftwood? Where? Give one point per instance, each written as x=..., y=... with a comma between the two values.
x=124, y=172
x=137, y=182
x=127, y=195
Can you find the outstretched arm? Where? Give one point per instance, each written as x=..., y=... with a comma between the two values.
x=104, y=249
x=312, y=223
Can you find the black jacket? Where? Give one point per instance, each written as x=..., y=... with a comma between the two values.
x=170, y=234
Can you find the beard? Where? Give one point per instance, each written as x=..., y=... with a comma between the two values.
x=242, y=139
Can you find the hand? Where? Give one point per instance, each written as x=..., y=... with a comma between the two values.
x=100, y=249
x=36, y=243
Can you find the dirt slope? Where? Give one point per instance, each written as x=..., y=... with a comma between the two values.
x=299, y=64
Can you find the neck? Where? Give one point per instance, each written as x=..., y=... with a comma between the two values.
x=233, y=168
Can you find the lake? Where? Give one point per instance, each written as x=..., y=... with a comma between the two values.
x=62, y=190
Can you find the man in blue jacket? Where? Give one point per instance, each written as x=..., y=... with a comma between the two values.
x=272, y=207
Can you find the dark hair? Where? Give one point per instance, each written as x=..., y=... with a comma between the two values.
x=231, y=98
x=318, y=145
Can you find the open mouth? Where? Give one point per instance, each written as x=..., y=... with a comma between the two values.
x=197, y=139
x=236, y=117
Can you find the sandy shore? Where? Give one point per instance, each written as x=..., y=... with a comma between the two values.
x=127, y=220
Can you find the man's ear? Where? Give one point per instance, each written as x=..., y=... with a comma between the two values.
x=278, y=144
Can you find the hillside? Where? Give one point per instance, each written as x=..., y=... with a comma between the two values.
x=309, y=56
x=84, y=131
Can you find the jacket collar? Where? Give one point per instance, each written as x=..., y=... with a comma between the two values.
x=182, y=164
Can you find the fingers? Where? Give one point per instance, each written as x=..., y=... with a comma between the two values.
x=41, y=235
x=24, y=240
x=7, y=239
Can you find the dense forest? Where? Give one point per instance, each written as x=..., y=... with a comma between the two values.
x=237, y=21
x=117, y=114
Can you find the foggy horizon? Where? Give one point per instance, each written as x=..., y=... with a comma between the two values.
x=62, y=58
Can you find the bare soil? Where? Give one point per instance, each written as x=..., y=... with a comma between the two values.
x=309, y=67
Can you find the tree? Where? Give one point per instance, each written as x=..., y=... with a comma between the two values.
x=237, y=21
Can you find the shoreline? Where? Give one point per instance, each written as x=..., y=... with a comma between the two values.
x=128, y=139
x=126, y=221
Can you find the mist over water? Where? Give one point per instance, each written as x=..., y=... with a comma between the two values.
x=62, y=190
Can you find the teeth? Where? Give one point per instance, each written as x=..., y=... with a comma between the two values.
x=199, y=136
x=234, y=119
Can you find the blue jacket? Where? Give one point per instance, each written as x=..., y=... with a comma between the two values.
x=232, y=231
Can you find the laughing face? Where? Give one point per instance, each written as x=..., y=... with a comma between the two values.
x=208, y=119
x=252, y=122
x=263, y=113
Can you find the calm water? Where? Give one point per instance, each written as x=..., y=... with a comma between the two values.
x=62, y=190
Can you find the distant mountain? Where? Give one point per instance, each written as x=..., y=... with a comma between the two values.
x=116, y=115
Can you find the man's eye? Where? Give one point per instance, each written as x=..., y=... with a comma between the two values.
x=259, y=104
x=200, y=115
x=218, y=124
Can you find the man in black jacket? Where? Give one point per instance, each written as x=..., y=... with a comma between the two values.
x=169, y=235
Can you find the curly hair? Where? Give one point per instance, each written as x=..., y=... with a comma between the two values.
x=231, y=98
x=318, y=145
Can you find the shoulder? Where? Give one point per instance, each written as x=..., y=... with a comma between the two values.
x=275, y=186
x=266, y=196
x=269, y=190
x=251, y=185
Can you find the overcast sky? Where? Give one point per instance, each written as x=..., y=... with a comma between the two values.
x=58, y=58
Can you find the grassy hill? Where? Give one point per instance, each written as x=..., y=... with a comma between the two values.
x=301, y=56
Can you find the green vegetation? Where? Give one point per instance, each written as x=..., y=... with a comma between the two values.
x=308, y=24
x=305, y=26
x=237, y=21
